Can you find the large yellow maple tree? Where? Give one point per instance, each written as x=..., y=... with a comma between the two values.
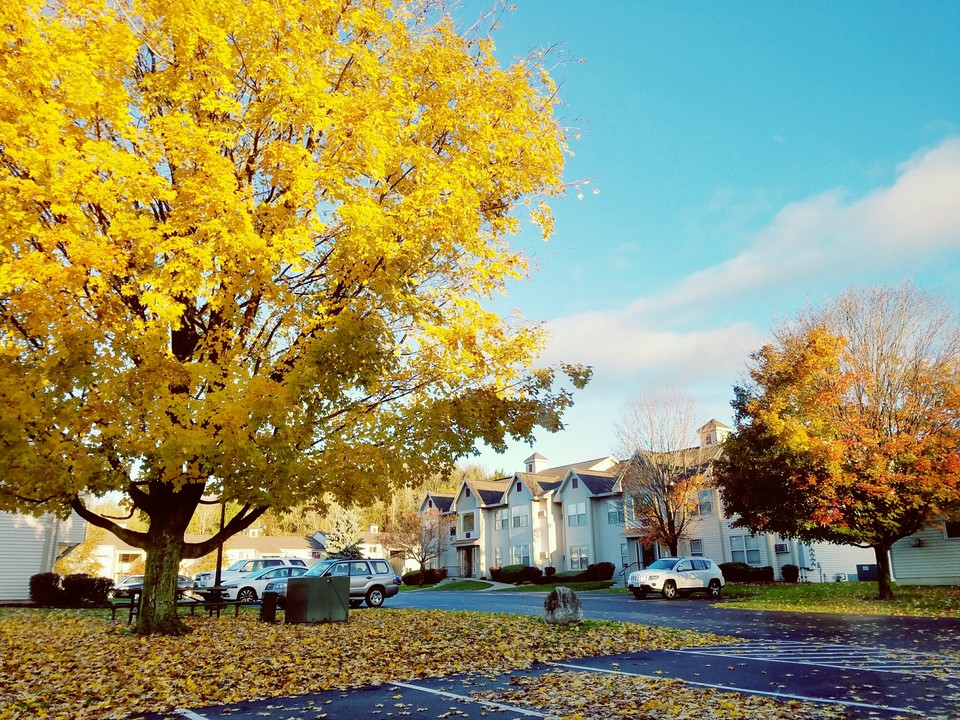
x=246, y=248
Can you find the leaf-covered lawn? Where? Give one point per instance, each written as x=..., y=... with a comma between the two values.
x=75, y=665
x=854, y=598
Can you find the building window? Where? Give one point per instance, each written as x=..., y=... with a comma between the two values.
x=579, y=557
x=704, y=504
x=624, y=555
x=466, y=522
x=520, y=555
x=952, y=530
x=467, y=492
x=576, y=483
x=696, y=547
x=501, y=519
x=520, y=518
x=453, y=530
x=745, y=549
x=519, y=486
x=498, y=557
x=577, y=514
x=615, y=512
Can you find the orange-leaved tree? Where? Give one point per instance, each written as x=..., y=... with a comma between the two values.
x=247, y=253
x=850, y=429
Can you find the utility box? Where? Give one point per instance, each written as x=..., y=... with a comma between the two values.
x=867, y=572
x=317, y=599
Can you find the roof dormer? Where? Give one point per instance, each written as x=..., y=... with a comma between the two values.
x=535, y=463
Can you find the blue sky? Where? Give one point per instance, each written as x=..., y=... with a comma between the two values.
x=745, y=159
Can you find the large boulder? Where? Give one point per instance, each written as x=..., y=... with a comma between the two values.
x=562, y=607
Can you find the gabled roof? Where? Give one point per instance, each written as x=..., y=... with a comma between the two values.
x=441, y=501
x=598, y=464
x=597, y=482
x=488, y=492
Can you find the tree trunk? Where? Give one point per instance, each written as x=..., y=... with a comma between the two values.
x=882, y=553
x=158, y=604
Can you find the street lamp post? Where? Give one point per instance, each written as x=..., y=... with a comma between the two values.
x=215, y=594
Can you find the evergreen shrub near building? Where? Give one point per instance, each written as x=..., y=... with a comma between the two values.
x=743, y=573
x=790, y=573
x=72, y=591
x=431, y=576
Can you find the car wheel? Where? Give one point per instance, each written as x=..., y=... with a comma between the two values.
x=247, y=594
x=375, y=597
x=669, y=590
x=714, y=589
x=639, y=594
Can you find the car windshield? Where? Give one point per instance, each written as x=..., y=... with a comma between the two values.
x=318, y=569
x=130, y=579
x=663, y=564
x=237, y=565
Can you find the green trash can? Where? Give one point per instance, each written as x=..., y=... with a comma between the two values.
x=317, y=599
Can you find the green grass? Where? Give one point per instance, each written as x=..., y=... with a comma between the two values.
x=575, y=586
x=853, y=598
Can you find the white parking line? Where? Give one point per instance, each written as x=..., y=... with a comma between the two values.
x=469, y=699
x=748, y=691
x=842, y=657
x=190, y=714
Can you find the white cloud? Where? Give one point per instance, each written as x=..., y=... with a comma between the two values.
x=706, y=324
x=701, y=330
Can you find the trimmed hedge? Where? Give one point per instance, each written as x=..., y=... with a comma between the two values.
x=741, y=572
x=594, y=573
x=431, y=576
x=45, y=589
x=790, y=573
x=72, y=591
x=514, y=574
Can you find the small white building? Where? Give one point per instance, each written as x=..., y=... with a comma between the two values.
x=30, y=546
x=930, y=557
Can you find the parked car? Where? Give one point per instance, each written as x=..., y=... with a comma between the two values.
x=371, y=580
x=672, y=576
x=134, y=584
x=240, y=568
x=250, y=587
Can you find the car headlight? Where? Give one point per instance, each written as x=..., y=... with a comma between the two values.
x=653, y=577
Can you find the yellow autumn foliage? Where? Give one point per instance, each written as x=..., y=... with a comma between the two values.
x=247, y=251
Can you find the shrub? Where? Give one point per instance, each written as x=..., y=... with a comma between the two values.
x=431, y=576
x=513, y=573
x=790, y=573
x=45, y=589
x=549, y=571
x=495, y=573
x=600, y=571
x=741, y=572
x=532, y=574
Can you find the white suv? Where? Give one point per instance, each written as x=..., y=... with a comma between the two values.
x=245, y=567
x=672, y=576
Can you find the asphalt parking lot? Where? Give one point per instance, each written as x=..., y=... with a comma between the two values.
x=874, y=667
